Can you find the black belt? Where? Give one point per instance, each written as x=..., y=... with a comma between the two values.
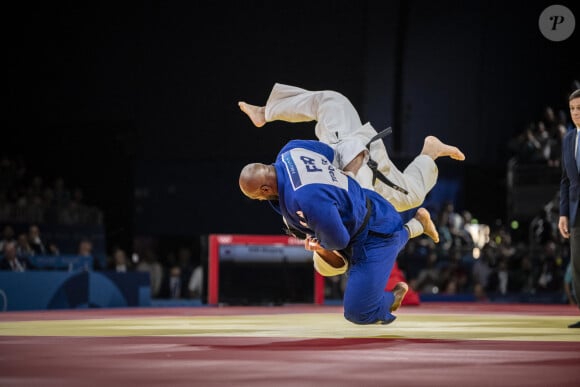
x=366, y=222
x=374, y=166
x=366, y=219
x=347, y=251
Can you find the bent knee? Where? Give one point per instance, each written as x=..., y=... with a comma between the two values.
x=406, y=202
x=368, y=318
x=357, y=319
x=357, y=315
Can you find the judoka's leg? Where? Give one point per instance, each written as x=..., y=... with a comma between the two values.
x=333, y=263
x=334, y=114
x=365, y=299
x=418, y=178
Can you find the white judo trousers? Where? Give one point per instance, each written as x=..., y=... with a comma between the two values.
x=338, y=125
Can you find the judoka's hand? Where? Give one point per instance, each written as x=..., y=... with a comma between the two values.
x=312, y=244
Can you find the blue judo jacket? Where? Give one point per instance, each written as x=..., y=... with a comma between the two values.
x=320, y=201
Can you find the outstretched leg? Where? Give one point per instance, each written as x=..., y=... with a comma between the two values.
x=424, y=219
x=434, y=148
x=418, y=178
x=422, y=224
x=429, y=228
x=256, y=113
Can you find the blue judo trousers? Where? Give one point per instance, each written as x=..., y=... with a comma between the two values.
x=319, y=200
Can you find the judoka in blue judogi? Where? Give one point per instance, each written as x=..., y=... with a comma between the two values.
x=347, y=226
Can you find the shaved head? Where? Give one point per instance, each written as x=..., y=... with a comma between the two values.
x=258, y=181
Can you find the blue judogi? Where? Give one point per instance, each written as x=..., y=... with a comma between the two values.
x=319, y=200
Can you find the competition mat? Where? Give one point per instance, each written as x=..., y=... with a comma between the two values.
x=434, y=344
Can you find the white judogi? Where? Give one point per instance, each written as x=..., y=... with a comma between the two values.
x=338, y=125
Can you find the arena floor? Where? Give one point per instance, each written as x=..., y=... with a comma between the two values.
x=434, y=344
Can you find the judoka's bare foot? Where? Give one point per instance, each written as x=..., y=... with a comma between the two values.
x=256, y=113
x=429, y=229
x=399, y=292
x=434, y=148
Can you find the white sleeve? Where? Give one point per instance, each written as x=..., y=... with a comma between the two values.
x=326, y=270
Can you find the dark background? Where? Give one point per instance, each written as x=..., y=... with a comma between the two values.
x=137, y=102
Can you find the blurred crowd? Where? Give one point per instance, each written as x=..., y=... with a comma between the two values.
x=177, y=275
x=486, y=261
x=540, y=141
x=28, y=198
x=30, y=204
x=17, y=248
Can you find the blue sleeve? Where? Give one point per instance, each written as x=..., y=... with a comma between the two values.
x=329, y=227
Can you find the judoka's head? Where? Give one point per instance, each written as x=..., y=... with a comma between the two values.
x=258, y=181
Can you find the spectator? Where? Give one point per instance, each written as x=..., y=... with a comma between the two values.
x=30, y=201
x=556, y=145
x=499, y=278
x=151, y=265
x=85, y=248
x=541, y=141
x=413, y=259
x=481, y=269
x=445, y=221
x=549, y=120
x=428, y=279
x=178, y=285
x=174, y=282
x=120, y=263
x=53, y=249
x=550, y=277
x=35, y=240
x=461, y=236
x=184, y=261
x=195, y=285
x=522, y=279
x=11, y=260
x=525, y=147
x=453, y=278
x=23, y=248
x=543, y=137
x=7, y=236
